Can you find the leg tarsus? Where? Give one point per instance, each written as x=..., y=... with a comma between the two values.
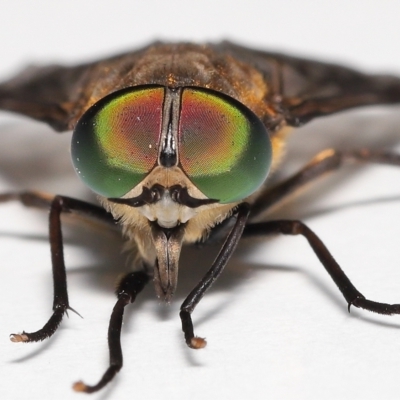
x=211, y=276
x=57, y=206
x=349, y=291
x=355, y=302
x=127, y=290
x=376, y=307
x=194, y=342
x=47, y=331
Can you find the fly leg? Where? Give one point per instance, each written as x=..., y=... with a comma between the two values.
x=57, y=206
x=327, y=161
x=129, y=287
x=44, y=201
x=324, y=162
x=212, y=274
x=349, y=291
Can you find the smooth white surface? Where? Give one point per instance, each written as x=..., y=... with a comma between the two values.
x=276, y=325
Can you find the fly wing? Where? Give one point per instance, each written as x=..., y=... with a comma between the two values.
x=302, y=89
x=48, y=94
x=299, y=89
x=58, y=95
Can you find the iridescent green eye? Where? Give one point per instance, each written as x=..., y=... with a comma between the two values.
x=224, y=148
x=115, y=143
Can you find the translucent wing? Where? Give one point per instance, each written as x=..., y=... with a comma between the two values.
x=58, y=95
x=298, y=89
x=302, y=89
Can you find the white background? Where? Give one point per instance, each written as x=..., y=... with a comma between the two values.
x=276, y=325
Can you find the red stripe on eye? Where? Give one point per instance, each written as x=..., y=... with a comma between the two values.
x=115, y=143
x=128, y=129
x=223, y=146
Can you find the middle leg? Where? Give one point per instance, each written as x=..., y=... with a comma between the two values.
x=349, y=291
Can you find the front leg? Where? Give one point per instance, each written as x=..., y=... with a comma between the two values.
x=211, y=276
x=129, y=287
x=58, y=205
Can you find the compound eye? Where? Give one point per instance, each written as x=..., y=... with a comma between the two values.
x=115, y=143
x=224, y=147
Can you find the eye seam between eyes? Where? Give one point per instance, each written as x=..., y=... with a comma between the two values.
x=169, y=150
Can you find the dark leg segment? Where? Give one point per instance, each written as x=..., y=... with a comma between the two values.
x=57, y=205
x=327, y=161
x=213, y=273
x=127, y=291
x=44, y=201
x=350, y=293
